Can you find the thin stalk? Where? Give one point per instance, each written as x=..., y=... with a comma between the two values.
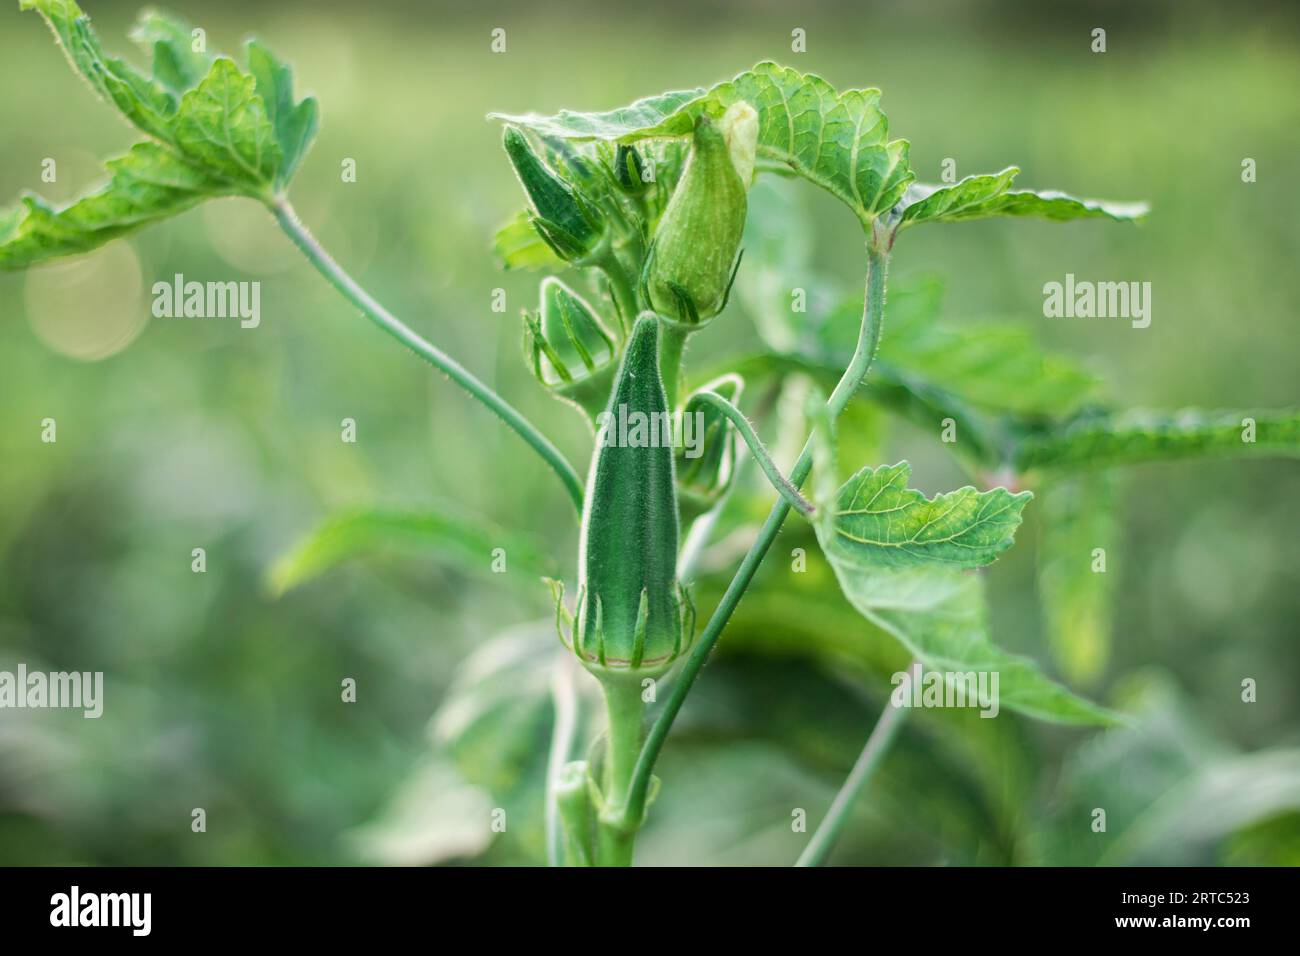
x=565, y=701
x=671, y=345
x=868, y=339
x=376, y=313
x=823, y=840
x=778, y=481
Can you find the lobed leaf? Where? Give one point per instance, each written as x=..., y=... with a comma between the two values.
x=988, y=195
x=147, y=184
x=215, y=130
x=839, y=141
x=878, y=522
x=295, y=124
x=899, y=559
x=222, y=127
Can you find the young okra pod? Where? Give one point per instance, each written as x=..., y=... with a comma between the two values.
x=631, y=615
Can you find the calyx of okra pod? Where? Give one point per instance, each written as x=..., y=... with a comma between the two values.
x=693, y=258
x=706, y=466
x=570, y=225
x=568, y=348
x=632, y=616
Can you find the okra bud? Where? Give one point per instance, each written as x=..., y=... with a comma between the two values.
x=629, y=170
x=568, y=348
x=570, y=225
x=631, y=616
x=706, y=456
x=694, y=255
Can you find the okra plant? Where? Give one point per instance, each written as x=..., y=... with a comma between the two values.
x=650, y=219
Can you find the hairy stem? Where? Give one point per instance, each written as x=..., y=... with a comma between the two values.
x=778, y=481
x=616, y=831
x=376, y=313
x=671, y=345
x=823, y=841
x=868, y=339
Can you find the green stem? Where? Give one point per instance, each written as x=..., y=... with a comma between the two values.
x=376, y=313
x=671, y=345
x=617, y=828
x=868, y=338
x=823, y=841
x=778, y=481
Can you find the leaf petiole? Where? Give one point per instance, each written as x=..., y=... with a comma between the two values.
x=376, y=313
x=778, y=481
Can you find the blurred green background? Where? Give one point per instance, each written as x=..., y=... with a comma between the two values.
x=174, y=435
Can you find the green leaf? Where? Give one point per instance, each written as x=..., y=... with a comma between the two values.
x=938, y=614
x=138, y=98
x=997, y=367
x=215, y=130
x=878, y=522
x=177, y=66
x=839, y=141
x=295, y=124
x=354, y=534
x=1077, y=517
x=1134, y=437
x=517, y=245
x=898, y=559
x=984, y=196
x=149, y=183
x=222, y=127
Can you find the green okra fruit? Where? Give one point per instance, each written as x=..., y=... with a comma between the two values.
x=693, y=258
x=568, y=348
x=569, y=224
x=632, y=615
x=707, y=463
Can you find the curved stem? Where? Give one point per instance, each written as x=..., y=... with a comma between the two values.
x=868, y=338
x=823, y=841
x=440, y=360
x=778, y=481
